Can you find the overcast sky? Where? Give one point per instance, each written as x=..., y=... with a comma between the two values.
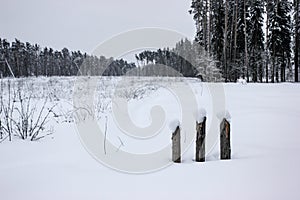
x=83, y=24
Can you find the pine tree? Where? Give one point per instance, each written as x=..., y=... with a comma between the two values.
x=218, y=21
x=199, y=11
x=280, y=38
x=225, y=47
x=297, y=37
x=66, y=62
x=243, y=28
x=256, y=43
x=234, y=31
x=269, y=4
x=29, y=57
x=18, y=50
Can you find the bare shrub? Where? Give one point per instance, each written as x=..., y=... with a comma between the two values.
x=7, y=108
x=21, y=116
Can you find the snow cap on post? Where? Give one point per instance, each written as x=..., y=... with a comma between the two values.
x=174, y=124
x=200, y=114
x=224, y=115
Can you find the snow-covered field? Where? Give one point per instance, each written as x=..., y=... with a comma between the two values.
x=265, y=144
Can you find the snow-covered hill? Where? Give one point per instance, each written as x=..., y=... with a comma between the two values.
x=265, y=146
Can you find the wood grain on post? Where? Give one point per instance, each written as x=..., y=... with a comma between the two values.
x=200, y=141
x=225, y=140
x=176, y=150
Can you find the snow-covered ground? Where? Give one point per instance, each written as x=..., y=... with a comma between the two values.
x=265, y=146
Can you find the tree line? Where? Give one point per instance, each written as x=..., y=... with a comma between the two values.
x=186, y=59
x=254, y=39
x=24, y=59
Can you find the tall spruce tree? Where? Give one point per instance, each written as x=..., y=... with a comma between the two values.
x=269, y=5
x=243, y=28
x=297, y=37
x=199, y=11
x=218, y=20
x=280, y=38
x=256, y=42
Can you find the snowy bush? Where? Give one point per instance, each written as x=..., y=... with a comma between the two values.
x=242, y=81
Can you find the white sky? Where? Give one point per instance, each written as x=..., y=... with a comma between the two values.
x=83, y=24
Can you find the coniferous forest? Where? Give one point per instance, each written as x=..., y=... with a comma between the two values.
x=253, y=39
x=24, y=59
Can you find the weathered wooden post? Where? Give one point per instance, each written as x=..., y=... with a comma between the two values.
x=176, y=150
x=225, y=140
x=200, y=140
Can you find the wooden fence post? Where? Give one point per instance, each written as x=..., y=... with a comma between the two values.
x=200, y=140
x=176, y=150
x=225, y=140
